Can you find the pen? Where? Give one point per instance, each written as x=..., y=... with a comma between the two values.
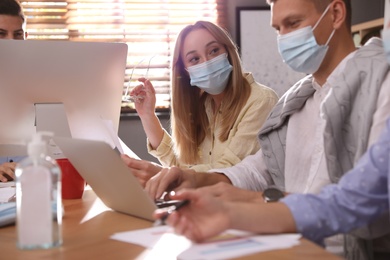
x=180, y=204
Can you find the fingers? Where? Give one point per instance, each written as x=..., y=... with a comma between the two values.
x=148, y=86
x=161, y=182
x=185, y=194
x=133, y=163
x=141, y=169
x=183, y=226
x=7, y=172
x=153, y=185
x=138, y=90
x=3, y=177
x=142, y=89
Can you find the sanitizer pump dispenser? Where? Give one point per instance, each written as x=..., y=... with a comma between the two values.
x=38, y=197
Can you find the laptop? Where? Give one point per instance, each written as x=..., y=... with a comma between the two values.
x=109, y=177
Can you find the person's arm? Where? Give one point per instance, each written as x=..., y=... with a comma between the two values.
x=250, y=174
x=145, y=107
x=174, y=179
x=244, y=130
x=360, y=197
x=141, y=169
x=164, y=152
x=206, y=216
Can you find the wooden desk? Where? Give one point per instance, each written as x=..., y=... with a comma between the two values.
x=88, y=224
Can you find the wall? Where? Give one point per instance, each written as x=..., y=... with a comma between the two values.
x=365, y=10
x=232, y=5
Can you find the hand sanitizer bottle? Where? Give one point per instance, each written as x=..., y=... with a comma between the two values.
x=38, y=198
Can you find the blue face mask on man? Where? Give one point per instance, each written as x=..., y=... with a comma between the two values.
x=211, y=76
x=300, y=50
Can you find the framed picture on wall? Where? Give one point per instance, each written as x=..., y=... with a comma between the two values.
x=257, y=42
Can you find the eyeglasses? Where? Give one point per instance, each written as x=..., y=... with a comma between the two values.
x=132, y=98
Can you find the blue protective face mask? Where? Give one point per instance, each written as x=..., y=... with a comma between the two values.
x=300, y=50
x=386, y=43
x=211, y=76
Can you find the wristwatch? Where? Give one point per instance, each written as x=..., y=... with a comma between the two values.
x=272, y=194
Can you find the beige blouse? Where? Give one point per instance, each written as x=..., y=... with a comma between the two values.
x=242, y=139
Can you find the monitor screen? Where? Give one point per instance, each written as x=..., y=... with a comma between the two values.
x=86, y=78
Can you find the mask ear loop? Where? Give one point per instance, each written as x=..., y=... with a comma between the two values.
x=322, y=16
x=319, y=20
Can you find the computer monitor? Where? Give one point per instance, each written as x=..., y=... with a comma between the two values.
x=85, y=77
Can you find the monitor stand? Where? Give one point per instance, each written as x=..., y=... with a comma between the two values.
x=51, y=117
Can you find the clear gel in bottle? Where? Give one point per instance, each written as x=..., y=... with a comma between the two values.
x=38, y=198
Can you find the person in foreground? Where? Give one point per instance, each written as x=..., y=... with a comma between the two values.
x=322, y=125
x=12, y=27
x=360, y=197
x=216, y=107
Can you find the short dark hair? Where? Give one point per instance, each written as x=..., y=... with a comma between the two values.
x=11, y=7
x=321, y=5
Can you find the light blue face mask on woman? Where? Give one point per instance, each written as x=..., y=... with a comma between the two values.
x=211, y=76
x=300, y=51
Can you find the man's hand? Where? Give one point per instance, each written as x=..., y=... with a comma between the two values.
x=203, y=217
x=170, y=179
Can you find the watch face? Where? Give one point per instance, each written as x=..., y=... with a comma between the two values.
x=272, y=194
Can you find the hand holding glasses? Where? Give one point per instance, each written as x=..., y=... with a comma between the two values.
x=128, y=97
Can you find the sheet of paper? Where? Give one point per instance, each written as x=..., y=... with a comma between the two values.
x=7, y=184
x=239, y=246
x=6, y=192
x=116, y=141
x=127, y=150
x=230, y=244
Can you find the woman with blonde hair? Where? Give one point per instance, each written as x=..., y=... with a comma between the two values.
x=217, y=109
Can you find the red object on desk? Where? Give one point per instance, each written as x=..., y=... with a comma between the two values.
x=72, y=182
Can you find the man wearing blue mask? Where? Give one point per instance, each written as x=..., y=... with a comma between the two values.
x=322, y=125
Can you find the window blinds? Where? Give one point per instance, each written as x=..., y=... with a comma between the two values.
x=148, y=27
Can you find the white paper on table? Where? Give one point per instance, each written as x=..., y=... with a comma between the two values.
x=6, y=193
x=147, y=237
x=161, y=240
x=7, y=184
x=237, y=247
x=230, y=244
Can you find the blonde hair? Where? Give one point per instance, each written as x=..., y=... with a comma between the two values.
x=189, y=121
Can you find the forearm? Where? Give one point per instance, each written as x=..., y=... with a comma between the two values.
x=264, y=218
x=210, y=178
x=250, y=174
x=153, y=129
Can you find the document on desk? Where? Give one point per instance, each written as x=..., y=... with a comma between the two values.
x=230, y=244
x=7, y=209
x=7, y=189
